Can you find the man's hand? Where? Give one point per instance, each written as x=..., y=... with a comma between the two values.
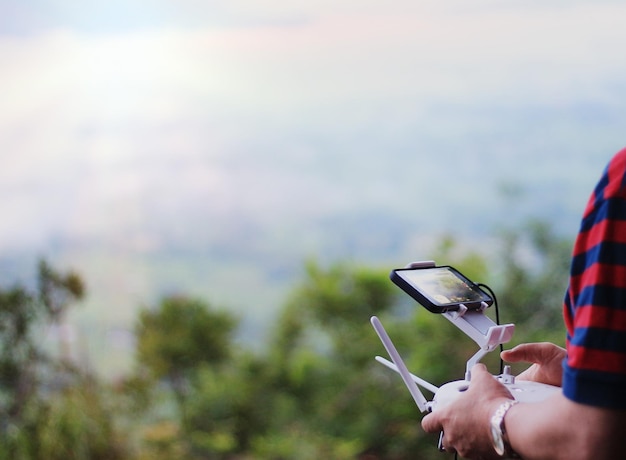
x=547, y=361
x=465, y=422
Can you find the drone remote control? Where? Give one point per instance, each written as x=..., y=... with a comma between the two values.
x=473, y=323
x=521, y=390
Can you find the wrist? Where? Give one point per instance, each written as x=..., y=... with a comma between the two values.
x=499, y=437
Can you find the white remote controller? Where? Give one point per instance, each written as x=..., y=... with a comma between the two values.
x=521, y=390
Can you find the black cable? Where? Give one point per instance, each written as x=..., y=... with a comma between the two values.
x=495, y=305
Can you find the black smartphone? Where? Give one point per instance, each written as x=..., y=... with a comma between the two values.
x=440, y=289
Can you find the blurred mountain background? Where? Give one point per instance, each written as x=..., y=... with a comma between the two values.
x=210, y=148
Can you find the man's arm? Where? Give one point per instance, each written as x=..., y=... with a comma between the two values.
x=562, y=429
x=600, y=426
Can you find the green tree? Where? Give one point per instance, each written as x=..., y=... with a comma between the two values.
x=49, y=408
x=178, y=337
x=75, y=422
x=23, y=316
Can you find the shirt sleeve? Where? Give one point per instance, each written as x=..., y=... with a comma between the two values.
x=595, y=303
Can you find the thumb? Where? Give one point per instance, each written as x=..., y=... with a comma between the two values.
x=479, y=369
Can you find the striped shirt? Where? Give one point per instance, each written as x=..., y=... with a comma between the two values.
x=595, y=302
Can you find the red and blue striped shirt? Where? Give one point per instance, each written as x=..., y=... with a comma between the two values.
x=595, y=302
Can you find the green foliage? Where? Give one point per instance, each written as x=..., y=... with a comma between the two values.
x=312, y=391
x=179, y=336
x=335, y=305
x=23, y=314
x=75, y=424
x=48, y=408
x=296, y=442
x=57, y=290
x=18, y=350
x=162, y=440
x=316, y=390
x=228, y=407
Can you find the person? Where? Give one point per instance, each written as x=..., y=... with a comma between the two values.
x=587, y=418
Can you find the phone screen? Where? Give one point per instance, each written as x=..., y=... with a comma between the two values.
x=443, y=286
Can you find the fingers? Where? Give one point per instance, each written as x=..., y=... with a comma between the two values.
x=432, y=423
x=526, y=352
x=538, y=353
x=442, y=445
